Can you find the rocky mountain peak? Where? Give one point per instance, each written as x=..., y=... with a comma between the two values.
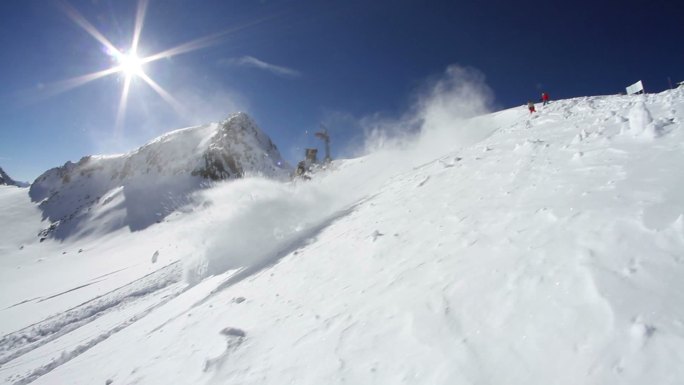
x=8, y=181
x=155, y=179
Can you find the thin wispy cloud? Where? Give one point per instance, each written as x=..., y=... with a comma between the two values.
x=252, y=62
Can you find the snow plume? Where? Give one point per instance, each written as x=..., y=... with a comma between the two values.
x=201, y=104
x=210, y=104
x=250, y=223
x=437, y=119
x=460, y=94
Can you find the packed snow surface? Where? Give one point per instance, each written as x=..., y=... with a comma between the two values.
x=510, y=248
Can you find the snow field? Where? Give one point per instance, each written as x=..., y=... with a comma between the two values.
x=531, y=249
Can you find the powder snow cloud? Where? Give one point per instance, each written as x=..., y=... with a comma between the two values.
x=437, y=116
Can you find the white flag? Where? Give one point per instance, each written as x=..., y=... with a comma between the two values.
x=635, y=88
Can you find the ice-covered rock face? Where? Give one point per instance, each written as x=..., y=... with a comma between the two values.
x=104, y=193
x=239, y=146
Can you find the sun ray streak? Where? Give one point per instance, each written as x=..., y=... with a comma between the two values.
x=85, y=24
x=139, y=21
x=121, y=113
x=202, y=42
x=129, y=64
x=56, y=88
x=162, y=92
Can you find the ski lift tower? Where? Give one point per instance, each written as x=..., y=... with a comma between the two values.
x=323, y=135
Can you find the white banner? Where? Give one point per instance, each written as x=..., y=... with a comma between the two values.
x=635, y=88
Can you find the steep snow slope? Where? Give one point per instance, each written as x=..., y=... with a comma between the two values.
x=542, y=249
x=100, y=194
x=21, y=219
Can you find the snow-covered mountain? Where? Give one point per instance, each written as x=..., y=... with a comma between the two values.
x=104, y=193
x=7, y=181
x=512, y=248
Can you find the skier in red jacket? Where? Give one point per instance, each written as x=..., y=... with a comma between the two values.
x=545, y=98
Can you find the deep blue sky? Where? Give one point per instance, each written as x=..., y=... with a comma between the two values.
x=337, y=61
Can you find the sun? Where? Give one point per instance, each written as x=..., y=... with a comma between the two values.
x=130, y=64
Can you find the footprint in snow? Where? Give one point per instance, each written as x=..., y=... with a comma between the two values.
x=641, y=332
x=376, y=234
x=451, y=163
x=427, y=178
x=234, y=338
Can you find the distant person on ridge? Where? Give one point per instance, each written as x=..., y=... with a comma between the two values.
x=545, y=98
x=530, y=105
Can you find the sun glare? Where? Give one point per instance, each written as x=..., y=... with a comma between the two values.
x=130, y=64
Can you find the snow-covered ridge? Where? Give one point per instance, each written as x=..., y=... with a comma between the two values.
x=140, y=188
x=7, y=180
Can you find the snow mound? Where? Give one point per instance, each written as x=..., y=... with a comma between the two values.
x=641, y=122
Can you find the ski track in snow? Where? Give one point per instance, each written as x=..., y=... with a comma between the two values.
x=22, y=342
x=15, y=345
